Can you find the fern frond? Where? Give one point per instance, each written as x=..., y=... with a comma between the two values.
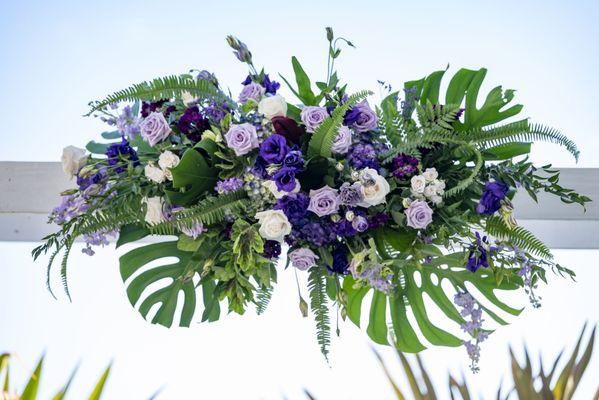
x=163, y=88
x=437, y=116
x=520, y=131
x=263, y=299
x=318, y=305
x=63, y=267
x=518, y=236
x=464, y=183
x=324, y=136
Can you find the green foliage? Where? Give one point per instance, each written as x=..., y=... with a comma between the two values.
x=324, y=136
x=247, y=245
x=195, y=175
x=517, y=236
x=163, y=88
x=319, y=306
x=304, y=86
x=263, y=299
x=438, y=118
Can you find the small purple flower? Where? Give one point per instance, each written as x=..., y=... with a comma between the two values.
x=477, y=257
x=154, y=128
x=363, y=155
x=216, y=111
x=294, y=205
x=272, y=249
x=192, y=124
x=270, y=86
x=285, y=179
x=404, y=165
x=360, y=223
x=364, y=119
x=294, y=159
x=313, y=116
x=324, y=201
x=127, y=123
x=229, y=185
x=251, y=91
x=490, y=201
x=274, y=149
x=120, y=154
x=242, y=138
x=418, y=214
x=194, y=231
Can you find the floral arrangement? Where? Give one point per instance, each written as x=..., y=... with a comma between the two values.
x=377, y=205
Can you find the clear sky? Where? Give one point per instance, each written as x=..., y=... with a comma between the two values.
x=56, y=56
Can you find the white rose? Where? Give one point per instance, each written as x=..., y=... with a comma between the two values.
x=439, y=186
x=418, y=184
x=436, y=199
x=273, y=106
x=430, y=174
x=272, y=187
x=430, y=190
x=73, y=158
x=154, y=173
x=274, y=225
x=166, y=161
x=376, y=193
x=154, y=213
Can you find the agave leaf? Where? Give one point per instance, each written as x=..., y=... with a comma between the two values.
x=413, y=381
x=523, y=379
x=4, y=358
x=461, y=387
x=97, y=392
x=561, y=389
x=30, y=392
x=430, y=390
x=62, y=393
x=396, y=389
x=580, y=367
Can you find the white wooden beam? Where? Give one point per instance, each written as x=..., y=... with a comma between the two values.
x=29, y=191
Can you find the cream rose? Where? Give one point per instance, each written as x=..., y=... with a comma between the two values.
x=73, y=158
x=274, y=225
x=430, y=174
x=154, y=173
x=273, y=106
x=166, y=161
x=154, y=214
x=418, y=183
x=375, y=193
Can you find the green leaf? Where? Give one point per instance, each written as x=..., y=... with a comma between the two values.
x=97, y=148
x=97, y=392
x=377, y=325
x=195, y=175
x=30, y=392
x=62, y=393
x=112, y=135
x=131, y=233
x=431, y=87
x=304, y=86
x=506, y=151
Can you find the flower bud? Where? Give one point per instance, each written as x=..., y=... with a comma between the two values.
x=350, y=216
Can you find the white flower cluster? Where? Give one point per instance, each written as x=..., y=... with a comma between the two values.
x=162, y=172
x=428, y=186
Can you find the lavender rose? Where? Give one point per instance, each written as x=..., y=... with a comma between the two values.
x=253, y=91
x=324, y=201
x=154, y=128
x=242, y=138
x=313, y=116
x=303, y=258
x=419, y=214
x=366, y=119
x=342, y=141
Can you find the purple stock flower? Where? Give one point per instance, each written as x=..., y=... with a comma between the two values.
x=192, y=124
x=274, y=149
x=120, y=154
x=285, y=179
x=294, y=205
x=272, y=249
x=404, y=166
x=229, y=185
x=490, y=201
x=363, y=155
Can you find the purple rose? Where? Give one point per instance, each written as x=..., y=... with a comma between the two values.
x=253, y=91
x=490, y=201
x=302, y=258
x=324, y=201
x=285, y=179
x=154, y=128
x=274, y=149
x=343, y=140
x=242, y=138
x=366, y=119
x=313, y=116
x=419, y=214
x=360, y=223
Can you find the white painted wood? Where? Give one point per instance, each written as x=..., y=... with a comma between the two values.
x=29, y=190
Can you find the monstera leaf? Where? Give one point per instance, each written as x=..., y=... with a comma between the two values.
x=410, y=295
x=175, y=278
x=195, y=175
x=464, y=88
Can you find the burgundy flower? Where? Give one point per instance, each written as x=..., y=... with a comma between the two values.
x=288, y=128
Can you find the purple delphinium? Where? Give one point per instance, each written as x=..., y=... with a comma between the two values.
x=127, y=123
x=272, y=249
x=490, y=201
x=229, y=185
x=404, y=166
x=192, y=124
x=270, y=86
x=71, y=206
x=99, y=238
x=294, y=205
x=274, y=149
x=285, y=179
x=363, y=155
x=478, y=254
x=471, y=309
x=120, y=152
x=340, y=261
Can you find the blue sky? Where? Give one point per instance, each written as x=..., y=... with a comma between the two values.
x=56, y=56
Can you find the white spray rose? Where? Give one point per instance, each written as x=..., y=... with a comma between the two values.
x=154, y=214
x=439, y=186
x=274, y=225
x=166, y=161
x=418, y=183
x=430, y=174
x=73, y=158
x=430, y=191
x=273, y=106
x=376, y=193
x=154, y=173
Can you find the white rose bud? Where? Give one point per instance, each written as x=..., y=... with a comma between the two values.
x=73, y=158
x=374, y=194
x=418, y=183
x=154, y=214
x=273, y=106
x=430, y=174
x=274, y=225
x=154, y=173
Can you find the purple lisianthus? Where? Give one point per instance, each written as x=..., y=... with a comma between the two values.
x=490, y=201
x=294, y=160
x=360, y=223
x=285, y=179
x=343, y=140
x=229, y=185
x=259, y=168
x=418, y=214
x=363, y=155
x=274, y=149
x=302, y=258
x=294, y=205
x=362, y=120
x=119, y=154
x=404, y=165
x=192, y=124
x=324, y=201
x=242, y=138
x=351, y=116
x=251, y=91
x=477, y=257
x=154, y=128
x=272, y=249
x=313, y=116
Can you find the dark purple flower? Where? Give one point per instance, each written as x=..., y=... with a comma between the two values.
x=288, y=128
x=351, y=116
x=274, y=149
x=285, y=179
x=192, y=124
x=404, y=165
x=490, y=201
x=119, y=154
x=149, y=107
x=270, y=86
x=294, y=160
x=315, y=234
x=247, y=81
x=272, y=249
x=340, y=263
x=259, y=168
x=344, y=228
x=294, y=205
x=363, y=155
x=478, y=254
x=378, y=220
